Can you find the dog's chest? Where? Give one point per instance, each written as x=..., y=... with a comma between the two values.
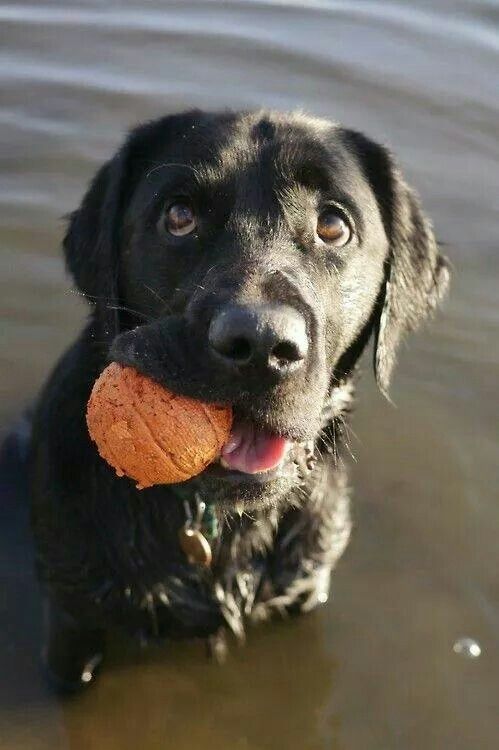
x=162, y=583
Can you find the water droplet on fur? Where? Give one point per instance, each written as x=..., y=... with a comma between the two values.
x=467, y=647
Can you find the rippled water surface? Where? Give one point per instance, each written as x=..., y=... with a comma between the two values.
x=378, y=667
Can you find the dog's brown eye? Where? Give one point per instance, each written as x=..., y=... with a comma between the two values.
x=180, y=219
x=333, y=229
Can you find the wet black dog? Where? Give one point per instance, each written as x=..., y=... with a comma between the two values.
x=244, y=259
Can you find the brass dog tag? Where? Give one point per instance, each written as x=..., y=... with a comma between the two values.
x=195, y=546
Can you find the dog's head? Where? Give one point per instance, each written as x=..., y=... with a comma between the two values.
x=247, y=259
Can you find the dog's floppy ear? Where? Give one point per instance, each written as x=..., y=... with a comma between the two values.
x=91, y=243
x=417, y=275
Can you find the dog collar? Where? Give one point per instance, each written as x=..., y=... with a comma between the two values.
x=199, y=531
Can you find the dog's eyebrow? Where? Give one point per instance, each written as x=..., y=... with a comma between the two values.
x=322, y=170
x=202, y=175
x=171, y=165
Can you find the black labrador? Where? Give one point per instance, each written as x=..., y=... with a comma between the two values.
x=245, y=259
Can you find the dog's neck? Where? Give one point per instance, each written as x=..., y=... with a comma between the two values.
x=210, y=527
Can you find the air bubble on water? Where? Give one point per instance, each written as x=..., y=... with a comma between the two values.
x=467, y=647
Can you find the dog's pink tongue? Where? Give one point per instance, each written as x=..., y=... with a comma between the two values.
x=251, y=450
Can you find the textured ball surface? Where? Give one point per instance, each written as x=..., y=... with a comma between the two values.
x=149, y=434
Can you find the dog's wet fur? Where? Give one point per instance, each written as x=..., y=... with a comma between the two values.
x=108, y=554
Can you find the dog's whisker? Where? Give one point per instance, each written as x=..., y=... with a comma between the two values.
x=130, y=310
x=109, y=302
x=346, y=441
x=169, y=165
x=158, y=296
x=93, y=297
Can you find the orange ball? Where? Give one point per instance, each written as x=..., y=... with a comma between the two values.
x=150, y=434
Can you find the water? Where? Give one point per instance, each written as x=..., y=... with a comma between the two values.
x=467, y=647
x=376, y=668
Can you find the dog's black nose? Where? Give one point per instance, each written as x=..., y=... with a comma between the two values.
x=267, y=337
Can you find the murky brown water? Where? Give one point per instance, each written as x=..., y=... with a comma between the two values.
x=374, y=670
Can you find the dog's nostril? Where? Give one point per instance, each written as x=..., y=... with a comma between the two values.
x=286, y=351
x=270, y=338
x=239, y=349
